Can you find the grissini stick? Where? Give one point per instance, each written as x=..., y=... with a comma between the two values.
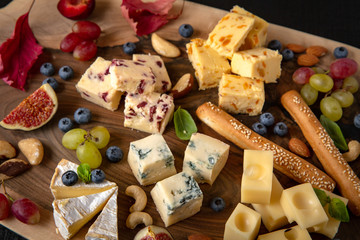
x=286, y=162
x=326, y=151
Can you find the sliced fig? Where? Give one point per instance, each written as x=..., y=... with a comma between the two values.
x=183, y=86
x=153, y=232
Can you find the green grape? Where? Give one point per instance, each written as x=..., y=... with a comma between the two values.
x=331, y=108
x=351, y=84
x=88, y=153
x=318, y=70
x=321, y=82
x=309, y=94
x=100, y=136
x=345, y=98
x=73, y=138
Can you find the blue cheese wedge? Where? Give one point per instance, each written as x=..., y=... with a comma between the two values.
x=151, y=160
x=205, y=157
x=177, y=198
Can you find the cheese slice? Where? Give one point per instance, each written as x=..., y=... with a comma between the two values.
x=59, y=190
x=106, y=225
x=70, y=214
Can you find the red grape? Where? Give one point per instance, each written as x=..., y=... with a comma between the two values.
x=85, y=51
x=343, y=68
x=4, y=206
x=87, y=30
x=302, y=75
x=69, y=42
x=26, y=211
x=337, y=84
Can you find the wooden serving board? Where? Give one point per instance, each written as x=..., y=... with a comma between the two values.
x=49, y=27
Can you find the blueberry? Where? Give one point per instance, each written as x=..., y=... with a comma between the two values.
x=340, y=52
x=267, y=119
x=65, y=124
x=82, y=115
x=69, y=178
x=114, y=154
x=287, y=54
x=97, y=175
x=274, y=45
x=280, y=129
x=217, y=204
x=47, y=69
x=186, y=30
x=259, y=128
x=52, y=82
x=66, y=72
x=357, y=120
x=129, y=48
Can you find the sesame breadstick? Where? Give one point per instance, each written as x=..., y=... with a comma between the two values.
x=324, y=148
x=286, y=162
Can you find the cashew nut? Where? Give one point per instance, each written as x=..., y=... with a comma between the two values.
x=139, y=195
x=354, y=151
x=137, y=218
x=33, y=150
x=6, y=150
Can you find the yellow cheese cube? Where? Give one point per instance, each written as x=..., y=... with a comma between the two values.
x=230, y=33
x=295, y=233
x=259, y=63
x=208, y=64
x=241, y=94
x=257, y=35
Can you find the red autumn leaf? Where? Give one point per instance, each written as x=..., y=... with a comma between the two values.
x=18, y=54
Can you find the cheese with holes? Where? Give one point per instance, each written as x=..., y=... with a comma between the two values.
x=258, y=63
x=155, y=62
x=301, y=205
x=151, y=160
x=131, y=76
x=294, y=233
x=243, y=223
x=177, y=197
x=148, y=112
x=257, y=35
x=230, y=33
x=241, y=94
x=95, y=85
x=205, y=157
x=208, y=64
x=256, y=182
x=272, y=214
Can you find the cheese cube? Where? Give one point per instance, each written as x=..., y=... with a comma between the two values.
x=151, y=160
x=259, y=63
x=208, y=64
x=205, y=157
x=301, y=204
x=148, y=112
x=294, y=233
x=230, y=33
x=257, y=35
x=241, y=94
x=272, y=214
x=155, y=62
x=243, y=223
x=256, y=182
x=95, y=85
x=131, y=76
x=177, y=198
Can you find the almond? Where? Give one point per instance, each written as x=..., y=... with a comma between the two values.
x=299, y=147
x=318, y=51
x=307, y=60
x=296, y=48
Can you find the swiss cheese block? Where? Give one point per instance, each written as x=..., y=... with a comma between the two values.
x=95, y=85
x=155, y=62
x=230, y=33
x=205, y=157
x=301, y=204
x=208, y=64
x=295, y=233
x=148, y=112
x=243, y=223
x=258, y=63
x=177, y=198
x=241, y=94
x=150, y=159
x=256, y=182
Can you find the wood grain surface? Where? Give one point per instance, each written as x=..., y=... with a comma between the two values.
x=34, y=184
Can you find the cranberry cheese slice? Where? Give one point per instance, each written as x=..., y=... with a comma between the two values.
x=148, y=112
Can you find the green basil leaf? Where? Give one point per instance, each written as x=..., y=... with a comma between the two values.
x=334, y=132
x=184, y=124
x=338, y=210
x=324, y=199
x=84, y=172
